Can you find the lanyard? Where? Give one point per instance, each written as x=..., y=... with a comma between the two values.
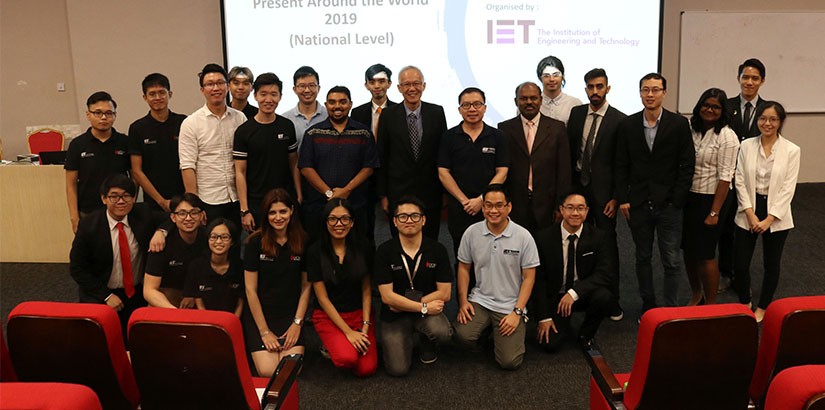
x=411, y=276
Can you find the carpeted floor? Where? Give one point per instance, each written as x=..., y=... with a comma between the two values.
x=459, y=380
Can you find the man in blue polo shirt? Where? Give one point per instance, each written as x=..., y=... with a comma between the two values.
x=505, y=258
x=337, y=157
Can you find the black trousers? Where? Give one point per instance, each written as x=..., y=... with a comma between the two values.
x=727, y=233
x=596, y=307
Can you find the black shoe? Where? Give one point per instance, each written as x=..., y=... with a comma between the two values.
x=427, y=352
x=617, y=314
x=586, y=342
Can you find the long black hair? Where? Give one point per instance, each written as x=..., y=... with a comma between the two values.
x=696, y=122
x=358, y=249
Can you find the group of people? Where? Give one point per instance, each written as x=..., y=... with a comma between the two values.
x=531, y=208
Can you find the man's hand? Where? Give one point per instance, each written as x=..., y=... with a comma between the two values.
x=610, y=208
x=165, y=205
x=187, y=303
x=158, y=241
x=114, y=302
x=342, y=193
x=712, y=220
x=508, y=324
x=248, y=222
x=473, y=205
x=435, y=307
x=465, y=313
x=625, y=208
x=565, y=305
x=543, y=331
x=74, y=221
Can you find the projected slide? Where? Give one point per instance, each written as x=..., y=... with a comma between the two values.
x=493, y=45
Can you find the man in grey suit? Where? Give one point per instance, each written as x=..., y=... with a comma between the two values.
x=539, y=161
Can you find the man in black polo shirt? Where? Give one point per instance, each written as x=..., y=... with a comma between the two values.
x=336, y=158
x=472, y=155
x=265, y=152
x=94, y=155
x=153, y=145
x=414, y=277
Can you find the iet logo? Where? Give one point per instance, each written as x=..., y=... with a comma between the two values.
x=505, y=31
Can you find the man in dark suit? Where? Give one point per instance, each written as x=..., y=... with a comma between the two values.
x=581, y=283
x=654, y=170
x=741, y=109
x=409, y=135
x=109, y=249
x=377, y=80
x=539, y=161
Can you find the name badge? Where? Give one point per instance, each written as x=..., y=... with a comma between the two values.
x=148, y=141
x=263, y=257
x=488, y=150
x=514, y=252
x=87, y=154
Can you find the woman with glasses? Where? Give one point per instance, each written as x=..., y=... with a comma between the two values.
x=166, y=271
x=716, y=147
x=766, y=174
x=277, y=290
x=216, y=279
x=338, y=266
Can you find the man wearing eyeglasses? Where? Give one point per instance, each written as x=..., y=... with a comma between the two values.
x=308, y=111
x=472, y=156
x=409, y=135
x=505, y=258
x=654, y=170
x=205, y=145
x=153, y=145
x=414, y=278
x=109, y=249
x=94, y=155
x=578, y=272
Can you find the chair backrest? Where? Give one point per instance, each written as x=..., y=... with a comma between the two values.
x=45, y=139
x=797, y=388
x=190, y=359
x=687, y=357
x=62, y=396
x=6, y=368
x=793, y=334
x=77, y=343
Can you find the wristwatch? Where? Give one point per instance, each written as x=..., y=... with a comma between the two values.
x=424, y=309
x=519, y=311
x=328, y=193
x=244, y=212
x=713, y=213
x=298, y=321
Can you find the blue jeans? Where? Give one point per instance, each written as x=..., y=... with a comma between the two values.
x=665, y=222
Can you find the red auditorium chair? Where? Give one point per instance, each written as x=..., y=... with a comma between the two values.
x=46, y=396
x=797, y=388
x=197, y=359
x=699, y=357
x=6, y=369
x=793, y=334
x=80, y=343
x=45, y=139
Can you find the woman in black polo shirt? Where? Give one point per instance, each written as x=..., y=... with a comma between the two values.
x=276, y=284
x=217, y=279
x=338, y=265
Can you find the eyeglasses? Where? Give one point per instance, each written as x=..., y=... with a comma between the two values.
x=411, y=84
x=116, y=198
x=223, y=238
x=345, y=220
x=579, y=208
x=498, y=205
x=772, y=120
x=554, y=75
x=216, y=84
x=466, y=106
x=714, y=107
x=101, y=114
x=193, y=213
x=415, y=217
x=157, y=94
x=654, y=90
x=310, y=86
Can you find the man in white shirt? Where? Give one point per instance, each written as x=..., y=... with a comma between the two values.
x=555, y=104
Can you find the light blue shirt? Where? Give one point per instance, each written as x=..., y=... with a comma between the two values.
x=302, y=123
x=498, y=262
x=418, y=123
x=650, y=131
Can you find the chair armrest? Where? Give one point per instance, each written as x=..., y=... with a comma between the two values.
x=604, y=377
x=282, y=381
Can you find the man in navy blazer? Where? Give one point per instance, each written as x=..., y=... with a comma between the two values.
x=402, y=173
x=654, y=170
x=95, y=258
x=588, y=285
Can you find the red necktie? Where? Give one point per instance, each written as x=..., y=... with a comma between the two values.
x=125, y=260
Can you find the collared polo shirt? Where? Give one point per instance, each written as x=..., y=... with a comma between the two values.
x=157, y=143
x=94, y=160
x=172, y=264
x=558, y=108
x=473, y=163
x=302, y=123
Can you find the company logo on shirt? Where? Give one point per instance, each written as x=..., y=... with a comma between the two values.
x=175, y=263
x=281, y=136
x=149, y=141
x=204, y=288
x=514, y=252
x=87, y=154
x=430, y=265
x=488, y=150
x=396, y=267
x=235, y=286
x=295, y=258
x=263, y=257
x=120, y=152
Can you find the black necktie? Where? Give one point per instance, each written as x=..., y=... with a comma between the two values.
x=746, y=119
x=570, y=275
x=588, y=151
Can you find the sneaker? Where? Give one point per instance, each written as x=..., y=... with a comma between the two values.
x=617, y=314
x=324, y=352
x=427, y=352
x=724, y=284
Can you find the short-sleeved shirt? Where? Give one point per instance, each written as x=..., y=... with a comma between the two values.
x=94, y=160
x=433, y=266
x=344, y=289
x=219, y=292
x=473, y=164
x=338, y=157
x=172, y=264
x=302, y=123
x=279, y=277
x=498, y=262
x=249, y=111
x=266, y=149
x=157, y=143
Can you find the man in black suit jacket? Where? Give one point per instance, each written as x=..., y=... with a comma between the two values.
x=592, y=158
x=95, y=258
x=402, y=172
x=539, y=169
x=583, y=283
x=654, y=170
x=377, y=80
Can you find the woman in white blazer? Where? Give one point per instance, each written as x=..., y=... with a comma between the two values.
x=766, y=174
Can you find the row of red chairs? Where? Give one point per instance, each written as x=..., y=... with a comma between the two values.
x=180, y=359
x=711, y=357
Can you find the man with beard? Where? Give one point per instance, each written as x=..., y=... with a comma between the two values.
x=539, y=161
x=265, y=152
x=336, y=158
x=308, y=111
